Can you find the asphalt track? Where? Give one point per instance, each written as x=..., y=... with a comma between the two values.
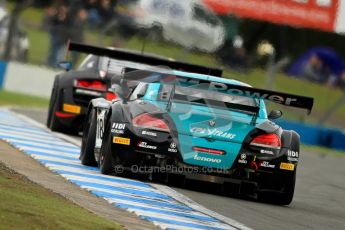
x=319, y=201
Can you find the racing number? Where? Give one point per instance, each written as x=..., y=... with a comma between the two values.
x=99, y=128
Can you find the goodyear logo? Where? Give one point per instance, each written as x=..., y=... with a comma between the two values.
x=71, y=108
x=121, y=141
x=287, y=166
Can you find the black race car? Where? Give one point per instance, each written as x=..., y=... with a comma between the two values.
x=199, y=127
x=73, y=90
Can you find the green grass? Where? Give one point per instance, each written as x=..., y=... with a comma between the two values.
x=9, y=98
x=25, y=205
x=39, y=43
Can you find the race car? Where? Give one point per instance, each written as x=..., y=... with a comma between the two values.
x=195, y=127
x=73, y=89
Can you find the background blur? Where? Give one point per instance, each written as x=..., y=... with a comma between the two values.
x=294, y=46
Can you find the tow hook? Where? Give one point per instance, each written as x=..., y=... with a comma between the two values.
x=253, y=164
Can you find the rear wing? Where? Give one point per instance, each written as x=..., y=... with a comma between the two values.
x=220, y=85
x=286, y=99
x=126, y=55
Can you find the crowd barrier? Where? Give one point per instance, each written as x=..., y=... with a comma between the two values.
x=38, y=81
x=316, y=135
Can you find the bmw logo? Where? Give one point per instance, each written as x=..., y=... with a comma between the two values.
x=173, y=145
x=212, y=123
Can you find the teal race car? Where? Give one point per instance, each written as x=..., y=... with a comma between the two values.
x=175, y=125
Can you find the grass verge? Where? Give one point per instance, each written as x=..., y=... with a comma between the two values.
x=25, y=205
x=10, y=98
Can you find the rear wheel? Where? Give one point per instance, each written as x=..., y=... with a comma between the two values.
x=51, y=103
x=284, y=198
x=53, y=122
x=106, y=161
x=87, y=155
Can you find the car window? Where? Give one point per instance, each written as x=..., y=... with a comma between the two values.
x=160, y=6
x=90, y=63
x=111, y=65
x=139, y=90
x=199, y=96
x=201, y=14
x=176, y=10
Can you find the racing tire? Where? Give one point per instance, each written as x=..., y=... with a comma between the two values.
x=52, y=121
x=286, y=197
x=282, y=198
x=106, y=162
x=87, y=155
x=51, y=103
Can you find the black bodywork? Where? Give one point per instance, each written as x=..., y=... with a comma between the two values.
x=65, y=91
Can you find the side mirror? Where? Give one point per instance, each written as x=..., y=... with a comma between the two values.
x=66, y=65
x=275, y=114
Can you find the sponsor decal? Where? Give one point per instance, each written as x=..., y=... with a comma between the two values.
x=118, y=128
x=149, y=133
x=287, y=166
x=144, y=145
x=264, y=151
x=253, y=93
x=317, y=14
x=207, y=159
x=172, y=148
x=292, y=159
x=267, y=164
x=293, y=155
x=121, y=140
x=71, y=108
x=243, y=159
x=212, y=132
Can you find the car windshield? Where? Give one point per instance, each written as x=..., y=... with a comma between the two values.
x=177, y=89
x=201, y=14
x=201, y=96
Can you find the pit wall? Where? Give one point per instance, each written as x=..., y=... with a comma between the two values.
x=38, y=81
